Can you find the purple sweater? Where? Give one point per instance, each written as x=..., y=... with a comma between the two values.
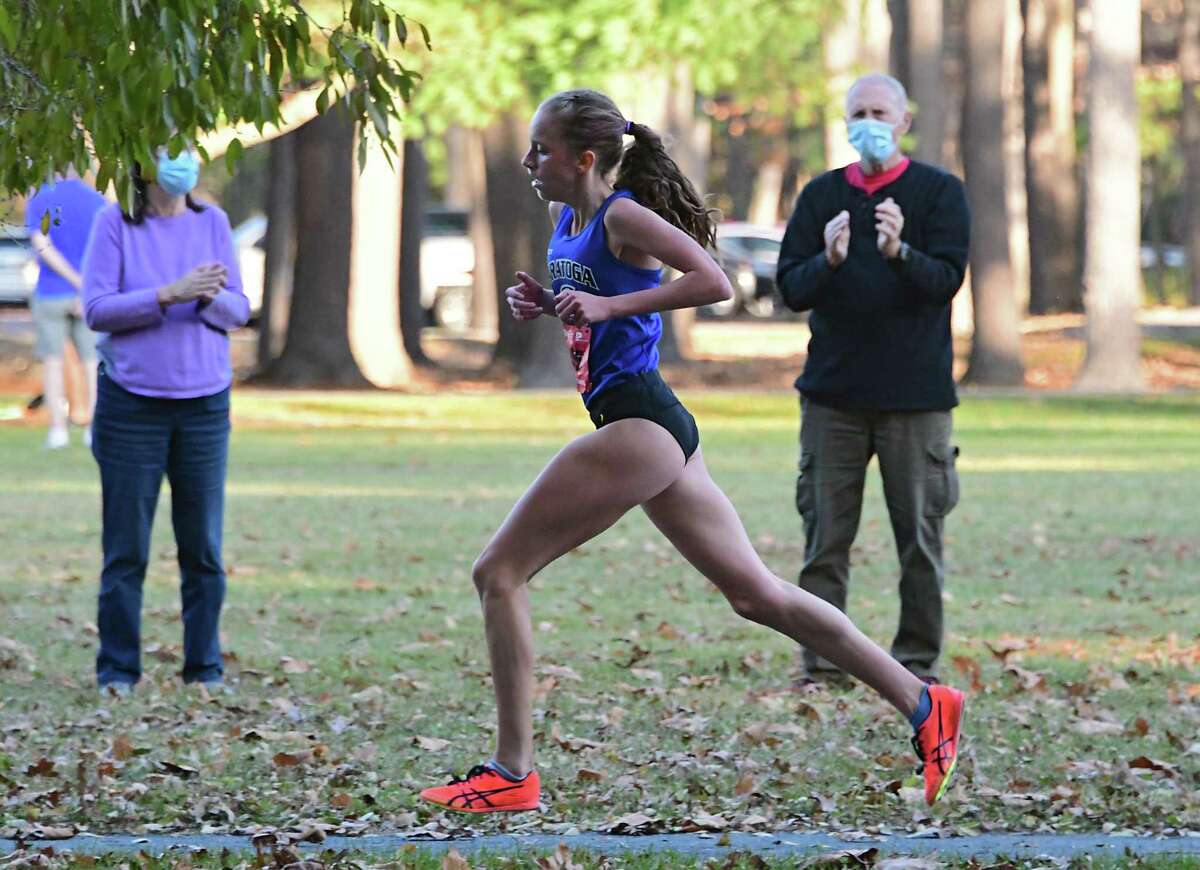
x=183, y=351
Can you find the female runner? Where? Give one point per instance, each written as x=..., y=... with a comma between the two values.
x=621, y=213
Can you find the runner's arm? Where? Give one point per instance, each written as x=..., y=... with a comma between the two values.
x=701, y=281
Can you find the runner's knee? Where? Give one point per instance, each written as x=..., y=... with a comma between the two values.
x=491, y=575
x=754, y=602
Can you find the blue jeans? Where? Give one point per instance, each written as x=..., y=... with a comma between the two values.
x=135, y=439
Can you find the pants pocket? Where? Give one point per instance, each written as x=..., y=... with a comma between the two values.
x=806, y=487
x=943, y=489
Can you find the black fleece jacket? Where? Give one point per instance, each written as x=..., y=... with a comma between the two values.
x=880, y=327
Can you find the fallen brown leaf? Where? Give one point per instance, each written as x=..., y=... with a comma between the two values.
x=632, y=823
x=122, y=748
x=430, y=744
x=971, y=669
x=560, y=860
x=1144, y=763
x=50, y=832
x=181, y=770
x=43, y=767
x=290, y=665
x=703, y=821
x=292, y=759
x=843, y=858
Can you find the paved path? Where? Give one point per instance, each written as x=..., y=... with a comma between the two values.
x=698, y=846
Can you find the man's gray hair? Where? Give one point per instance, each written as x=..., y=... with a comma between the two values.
x=882, y=79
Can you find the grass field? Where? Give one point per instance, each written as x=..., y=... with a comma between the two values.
x=354, y=638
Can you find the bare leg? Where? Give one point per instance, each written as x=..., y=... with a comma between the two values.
x=55, y=390
x=586, y=488
x=697, y=517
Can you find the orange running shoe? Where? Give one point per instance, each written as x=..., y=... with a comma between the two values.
x=936, y=741
x=483, y=790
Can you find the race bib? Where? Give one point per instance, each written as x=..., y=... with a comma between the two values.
x=579, y=343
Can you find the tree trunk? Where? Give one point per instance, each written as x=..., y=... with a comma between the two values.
x=926, y=85
x=1050, y=164
x=1014, y=157
x=857, y=42
x=280, y=249
x=485, y=310
x=375, y=328
x=899, y=58
x=467, y=189
x=521, y=230
x=995, y=351
x=954, y=77
x=875, y=51
x=690, y=136
x=413, y=205
x=739, y=170
x=1111, y=274
x=506, y=192
x=317, y=351
x=768, y=183
x=1189, y=68
x=840, y=49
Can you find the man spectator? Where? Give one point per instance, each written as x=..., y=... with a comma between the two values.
x=59, y=218
x=876, y=251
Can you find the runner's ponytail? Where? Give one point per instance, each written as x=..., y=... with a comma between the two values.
x=656, y=181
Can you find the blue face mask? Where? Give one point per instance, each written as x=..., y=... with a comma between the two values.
x=178, y=175
x=872, y=139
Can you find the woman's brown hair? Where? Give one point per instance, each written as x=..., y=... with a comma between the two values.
x=588, y=120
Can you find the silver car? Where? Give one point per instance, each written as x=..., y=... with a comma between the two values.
x=18, y=266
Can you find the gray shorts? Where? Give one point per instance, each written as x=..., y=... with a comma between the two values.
x=54, y=318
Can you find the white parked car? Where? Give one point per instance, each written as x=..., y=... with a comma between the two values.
x=249, y=242
x=447, y=268
x=447, y=265
x=18, y=266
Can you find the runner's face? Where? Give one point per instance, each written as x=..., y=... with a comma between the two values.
x=551, y=166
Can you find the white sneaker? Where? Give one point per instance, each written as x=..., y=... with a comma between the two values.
x=116, y=690
x=87, y=437
x=56, y=439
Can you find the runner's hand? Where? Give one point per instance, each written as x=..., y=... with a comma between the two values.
x=574, y=307
x=525, y=300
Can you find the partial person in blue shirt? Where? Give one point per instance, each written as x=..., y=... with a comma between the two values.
x=59, y=219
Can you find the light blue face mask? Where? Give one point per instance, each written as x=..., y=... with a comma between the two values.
x=872, y=139
x=178, y=175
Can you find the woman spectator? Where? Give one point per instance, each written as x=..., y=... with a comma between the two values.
x=161, y=285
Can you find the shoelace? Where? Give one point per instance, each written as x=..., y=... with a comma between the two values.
x=938, y=756
x=477, y=770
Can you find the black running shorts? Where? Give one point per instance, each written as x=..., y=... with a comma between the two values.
x=646, y=396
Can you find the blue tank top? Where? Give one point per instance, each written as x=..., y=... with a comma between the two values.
x=607, y=353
